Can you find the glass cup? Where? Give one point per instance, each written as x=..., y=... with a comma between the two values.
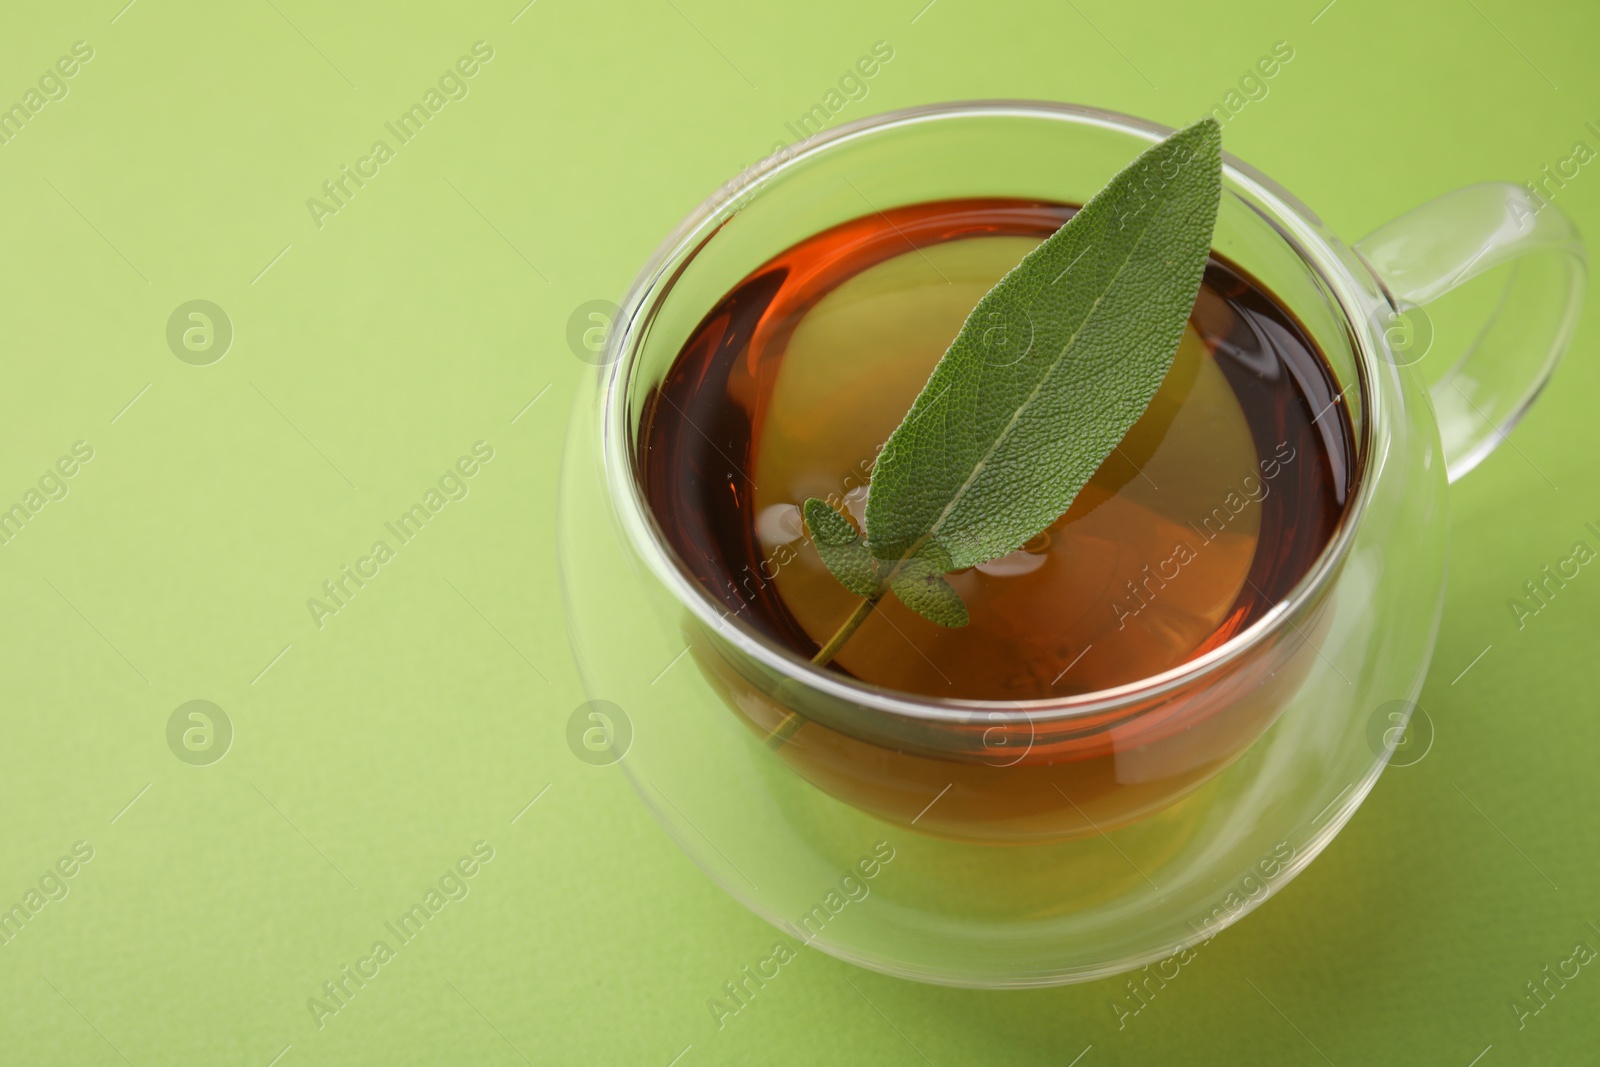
x=1009, y=844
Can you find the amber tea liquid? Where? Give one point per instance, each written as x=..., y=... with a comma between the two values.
x=1216, y=503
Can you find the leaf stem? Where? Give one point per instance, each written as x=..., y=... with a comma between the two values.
x=793, y=720
x=851, y=625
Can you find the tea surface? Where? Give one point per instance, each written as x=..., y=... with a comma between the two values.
x=1217, y=501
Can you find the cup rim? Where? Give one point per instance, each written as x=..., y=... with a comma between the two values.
x=1295, y=223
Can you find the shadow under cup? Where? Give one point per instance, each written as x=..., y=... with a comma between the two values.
x=989, y=771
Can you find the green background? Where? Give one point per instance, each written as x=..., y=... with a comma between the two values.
x=370, y=353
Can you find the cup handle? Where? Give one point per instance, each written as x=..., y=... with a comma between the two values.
x=1429, y=251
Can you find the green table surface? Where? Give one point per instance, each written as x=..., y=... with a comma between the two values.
x=373, y=346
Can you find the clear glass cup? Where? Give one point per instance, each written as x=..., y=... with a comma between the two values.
x=1010, y=844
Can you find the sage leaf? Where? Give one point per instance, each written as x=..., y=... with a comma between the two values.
x=1052, y=367
x=842, y=549
x=920, y=585
x=1046, y=376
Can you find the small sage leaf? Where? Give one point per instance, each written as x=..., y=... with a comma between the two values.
x=842, y=550
x=920, y=585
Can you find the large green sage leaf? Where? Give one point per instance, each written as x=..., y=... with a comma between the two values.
x=1048, y=373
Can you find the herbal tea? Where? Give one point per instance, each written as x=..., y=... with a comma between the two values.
x=1210, y=510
